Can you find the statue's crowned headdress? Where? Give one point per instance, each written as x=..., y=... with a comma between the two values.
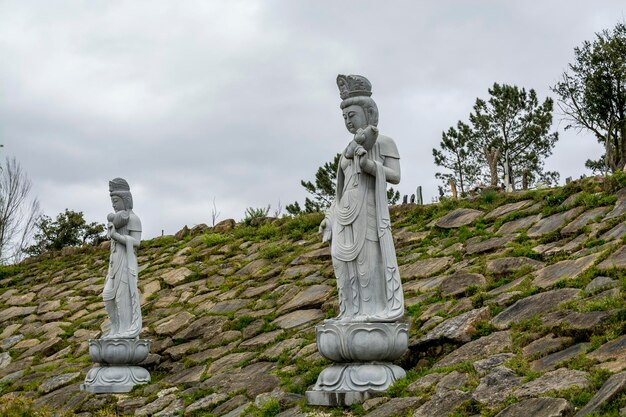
x=353, y=86
x=120, y=188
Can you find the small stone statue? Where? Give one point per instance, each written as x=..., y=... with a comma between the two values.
x=120, y=349
x=367, y=334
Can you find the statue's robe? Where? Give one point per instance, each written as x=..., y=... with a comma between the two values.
x=362, y=249
x=120, y=285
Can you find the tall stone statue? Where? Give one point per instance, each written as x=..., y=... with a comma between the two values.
x=368, y=332
x=120, y=349
x=121, y=299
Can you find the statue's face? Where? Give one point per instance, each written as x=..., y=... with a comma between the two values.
x=355, y=118
x=118, y=203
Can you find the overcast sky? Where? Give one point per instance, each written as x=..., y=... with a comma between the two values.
x=236, y=100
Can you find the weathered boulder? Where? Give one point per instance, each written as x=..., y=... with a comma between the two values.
x=616, y=260
x=538, y=407
x=506, y=265
x=477, y=349
x=567, y=269
x=558, y=380
x=553, y=223
x=507, y=208
x=312, y=296
x=458, y=329
x=526, y=308
x=519, y=224
x=582, y=220
x=613, y=386
x=459, y=217
x=459, y=283
x=496, y=386
x=488, y=245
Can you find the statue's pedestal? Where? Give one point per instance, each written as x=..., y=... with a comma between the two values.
x=118, y=370
x=363, y=353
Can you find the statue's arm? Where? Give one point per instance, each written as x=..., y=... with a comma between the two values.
x=134, y=238
x=391, y=168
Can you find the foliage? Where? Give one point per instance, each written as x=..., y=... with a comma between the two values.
x=456, y=154
x=510, y=126
x=255, y=213
x=592, y=95
x=18, y=211
x=514, y=122
x=17, y=406
x=212, y=239
x=69, y=229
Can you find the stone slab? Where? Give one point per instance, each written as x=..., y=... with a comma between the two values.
x=507, y=208
x=459, y=217
x=526, y=308
x=538, y=407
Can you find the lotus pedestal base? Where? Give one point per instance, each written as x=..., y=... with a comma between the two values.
x=118, y=370
x=352, y=383
x=114, y=379
x=363, y=353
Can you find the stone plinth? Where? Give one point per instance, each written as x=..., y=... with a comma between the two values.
x=363, y=353
x=118, y=371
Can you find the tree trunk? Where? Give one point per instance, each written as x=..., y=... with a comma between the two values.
x=525, y=180
x=492, y=155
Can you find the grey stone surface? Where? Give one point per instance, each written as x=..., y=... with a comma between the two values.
x=483, y=366
x=496, y=386
x=5, y=359
x=599, y=284
x=425, y=267
x=567, y=269
x=507, y=208
x=582, y=220
x=553, y=360
x=526, y=308
x=616, y=232
x=442, y=404
x=459, y=217
x=507, y=265
x=176, y=276
x=616, y=260
x=488, y=245
x=155, y=406
x=371, y=299
x=519, y=224
x=612, y=355
x=576, y=320
x=477, y=349
x=459, y=283
x=538, y=407
x=545, y=345
x=396, y=407
x=119, y=351
x=453, y=380
x=425, y=382
x=553, y=223
x=309, y=297
x=614, y=386
x=457, y=329
x=618, y=210
x=560, y=379
x=58, y=381
x=299, y=318
x=205, y=403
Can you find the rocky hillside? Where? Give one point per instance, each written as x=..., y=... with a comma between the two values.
x=516, y=303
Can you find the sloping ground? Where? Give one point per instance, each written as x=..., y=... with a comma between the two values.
x=516, y=303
